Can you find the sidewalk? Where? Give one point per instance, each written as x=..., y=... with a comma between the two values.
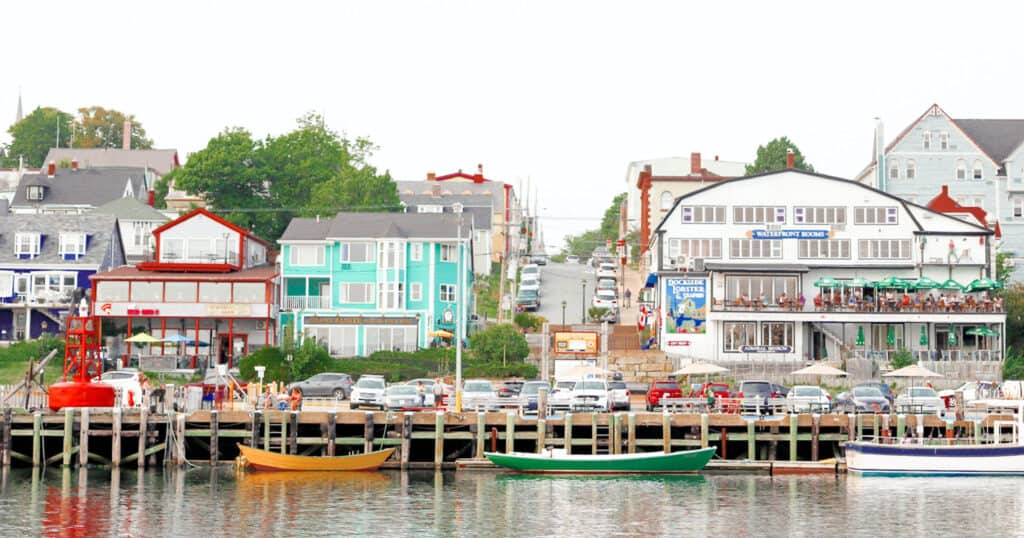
x=633, y=281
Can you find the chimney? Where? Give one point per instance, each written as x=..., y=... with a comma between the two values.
x=435, y=191
x=945, y=191
x=431, y=176
x=790, y=159
x=126, y=135
x=479, y=177
x=74, y=165
x=151, y=198
x=51, y=169
x=695, y=163
x=716, y=157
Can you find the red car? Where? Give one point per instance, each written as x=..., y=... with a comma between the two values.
x=665, y=388
x=718, y=390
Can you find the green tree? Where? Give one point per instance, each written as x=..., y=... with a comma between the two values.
x=310, y=359
x=162, y=187
x=278, y=368
x=1013, y=366
x=99, y=127
x=902, y=359
x=499, y=342
x=610, y=222
x=1013, y=302
x=35, y=134
x=773, y=157
x=1003, y=268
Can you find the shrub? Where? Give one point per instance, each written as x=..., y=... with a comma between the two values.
x=596, y=312
x=310, y=359
x=499, y=342
x=271, y=357
x=34, y=349
x=902, y=359
x=526, y=320
x=1013, y=368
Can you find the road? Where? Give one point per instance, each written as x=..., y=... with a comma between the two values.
x=563, y=282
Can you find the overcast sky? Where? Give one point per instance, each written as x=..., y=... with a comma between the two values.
x=562, y=93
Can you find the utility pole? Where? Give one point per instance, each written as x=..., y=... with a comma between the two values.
x=501, y=286
x=460, y=299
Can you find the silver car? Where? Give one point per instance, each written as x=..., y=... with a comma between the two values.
x=477, y=394
x=368, y=392
x=405, y=396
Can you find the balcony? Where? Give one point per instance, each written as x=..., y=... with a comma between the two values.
x=934, y=355
x=965, y=306
x=302, y=302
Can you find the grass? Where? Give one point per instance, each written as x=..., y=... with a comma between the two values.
x=13, y=370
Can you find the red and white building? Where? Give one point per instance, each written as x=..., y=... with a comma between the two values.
x=210, y=285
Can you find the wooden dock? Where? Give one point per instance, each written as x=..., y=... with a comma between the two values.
x=438, y=440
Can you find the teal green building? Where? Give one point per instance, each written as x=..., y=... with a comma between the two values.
x=366, y=282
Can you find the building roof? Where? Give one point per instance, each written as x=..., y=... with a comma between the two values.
x=479, y=206
x=83, y=187
x=160, y=160
x=493, y=188
x=998, y=138
x=131, y=209
x=99, y=228
x=377, y=225
x=128, y=272
x=943, y=203
x=220, y=220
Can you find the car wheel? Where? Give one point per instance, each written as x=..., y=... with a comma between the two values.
x=649, y=408
x=353, y=406
x=339, y=394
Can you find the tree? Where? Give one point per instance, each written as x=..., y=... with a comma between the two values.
x=610, y=222
x=1003, y=267
x=162, y=187
x=1013, y=301
x=310, y=359
x=35, y=134
x=773, y=157
x=99, y=127
x=278, y=368
x=499, y=342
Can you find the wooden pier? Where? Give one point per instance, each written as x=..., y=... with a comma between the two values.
x=436, y=440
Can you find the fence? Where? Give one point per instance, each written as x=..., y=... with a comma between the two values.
x=37, y=399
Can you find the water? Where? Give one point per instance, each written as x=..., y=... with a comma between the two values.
x=207, y=503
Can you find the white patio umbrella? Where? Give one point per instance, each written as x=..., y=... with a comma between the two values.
x=819, y=370
x=912, y=371
x=696, y=368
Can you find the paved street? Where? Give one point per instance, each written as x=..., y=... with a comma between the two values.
x=563, y=282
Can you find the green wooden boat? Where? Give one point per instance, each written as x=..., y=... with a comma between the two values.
x=557, y=461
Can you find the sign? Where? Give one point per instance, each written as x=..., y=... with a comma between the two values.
x=185, y=310
x=360, y=320
x=766, y=349
x=686, y=300
x=576, y=342
x=677, y=343
x=789, y=234
x=228, y=310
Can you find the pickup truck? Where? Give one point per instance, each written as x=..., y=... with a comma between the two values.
x=665, y=388
x=619, y=396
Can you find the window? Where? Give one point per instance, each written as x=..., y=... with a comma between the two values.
x=26, y=245
x=819, y=215
x=961, y=169
x=250, y=292
x=355, y=293
x=738, y=335
x=389, y=339
x=911, y=169
x=447, y=253
x=111, y=292
x=875, y=215
x=944, y=140
x=215, y=292
x=447, y=293
x=416, y=291
x=147, y=292
x=703, y=214
x=53, y=285
x=926, y=139
x=753, y=286
x=1018, y=207
x=391, y=255
x=457, y=207
x=429, y=208
x=355, y=252
x=894, y=169
x=979, y=171
x=824, y=248
x=777, y=334
x=180, y=292
x=416, y=252
x=695, y=248
x=142, y=234
x=391, y=296
x=35, y=192
x=884, y=249
x=758, y=215
x=72, y=245
x=666, y=201
x=306, y=255
x=755, y=248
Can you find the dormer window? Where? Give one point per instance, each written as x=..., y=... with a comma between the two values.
x=456, y=207
x=72, y=245
x=35, y=193
x=26, y=245
x=429, y=208
x=944, y=140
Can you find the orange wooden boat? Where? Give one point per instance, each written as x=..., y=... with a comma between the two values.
x=273, y=461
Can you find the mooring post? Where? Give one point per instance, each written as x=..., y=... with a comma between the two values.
x=793, y=427
x=284, y=432
x=266, y=431
x=293, y=432
x=751, y=441
x=37, y=429
x=705, y=426
x=631, y=433
x=368, y=432
x=616, y=421
x=214, y=436
x=567, y=434
x=83, y=439
x=332, y=432
x=254, y=435
x=8, y=414
x=901, y=426
x=115, y=440
x=438, y=439
x=593, y=432
x=666, y=432
x=815, y=432
x=919, y=425
x=977, y=433
x=480, y=433
x=143, y=437
x=723, y=442
x=406, y=438
x=179, y=438
x=69, y=428
x=542, y=402
x=510, y=432
x=542, y=430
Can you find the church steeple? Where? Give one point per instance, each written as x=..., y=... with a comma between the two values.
x=19, y=115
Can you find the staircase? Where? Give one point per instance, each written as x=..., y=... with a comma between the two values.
x=836, y=339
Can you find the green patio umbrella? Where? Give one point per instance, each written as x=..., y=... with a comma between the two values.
x=860, y=336
x=890, y=339
x=892, y=283
x=924, y=335
x=924, y=283
x=824, y=352
x=952, y=337
x=858, y=282
x=826, y=282
x=951, y=285
x=980, y=331
x=983, y=284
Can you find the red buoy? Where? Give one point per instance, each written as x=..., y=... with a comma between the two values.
x=82, y=363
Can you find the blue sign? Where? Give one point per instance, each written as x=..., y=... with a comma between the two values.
x=687, y=300
x=789, y=234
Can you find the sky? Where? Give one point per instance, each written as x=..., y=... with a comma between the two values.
x=560, y=95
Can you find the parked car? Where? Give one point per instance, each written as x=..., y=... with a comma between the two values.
x=665, y=388
x=619, y=395
x=530, y=271
x=561, y=394
x=539, y=259
x=924, y=399
x=476, y=393
x=884, y=388
x=605, y=299
x=528, y=300
x=972, y=390
x=510, y=389
x=607, y=270
x=572, y=259
x=606, y=284
x=808, y=398
x=717, y=390
x=324, y=385
x=531, y=284
x=591, y=394
x=529, y=393
x=404, y=396
x=755, y=395
x=861, y=399
x=368, y=392
x=125, y=380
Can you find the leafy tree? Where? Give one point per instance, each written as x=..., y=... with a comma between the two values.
x=99, y=127
x=162, y=187
x=610, y=221
x=902, y=359
x=35, y=134
x=1003, y=269
x=773, y=157
x=1013, y=366
x=1013, y=301
x=310, y=359
x=497, y=342
x=278, y=368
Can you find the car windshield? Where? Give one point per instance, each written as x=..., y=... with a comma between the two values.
x=607, y=267
x=530, y=269
x=591, y=385
x=399, y=390
x=370, y=383
x=616, y=385
x=528, y=282
x=666, y=386
x=479, y=386
x=606, y=294
x=807, y=391
x=920, y=392
x=426, y=382
x=527, y=294
x=565, y=384
x=755, y=388
x=532, y=388
x=867, y=392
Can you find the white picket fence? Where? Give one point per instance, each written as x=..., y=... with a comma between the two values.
x=37, y=399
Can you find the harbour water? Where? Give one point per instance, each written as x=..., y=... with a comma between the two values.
x=204, y=503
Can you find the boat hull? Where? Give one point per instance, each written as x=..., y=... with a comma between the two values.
x=689, y=461
x=271, y=461
x=874, y=459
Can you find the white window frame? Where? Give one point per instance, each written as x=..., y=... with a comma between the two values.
x=296, y=260
x=911, y=169
x=72, y=243
x=944, y=140
x=885, y=249
x=447, y=293
x=926, y=140
x=666, y=200
x=391, y=255
x=759, y=214
x=823, y=249
x=710, y=248
x=894, y=168
x=27, y=243
x=345, y=251
x=429, y=208
x=703, y=214
x=391, y=296
x=876, y=215
x=1018, y=207
x=35, y=193
x=448, y=253
x=746, y=249
x=733, y=341
x=415, y=291
x=819, y=215
x=345, y=292
x=961, y=169
x=978, y=170
x=416, y=251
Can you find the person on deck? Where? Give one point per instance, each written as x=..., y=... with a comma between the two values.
x=421, y=393
x=438, y=390
x=296, y=400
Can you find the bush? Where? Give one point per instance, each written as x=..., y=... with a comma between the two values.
x=902, y=359
x=1013, y=367
x=499, y=342
x=596, y=312
x=526, y=320
x=34, y=349
x=271, y=357
x=310, y=359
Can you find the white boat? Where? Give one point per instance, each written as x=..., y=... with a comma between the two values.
x=939, y=457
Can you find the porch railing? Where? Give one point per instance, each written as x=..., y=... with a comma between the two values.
x=933, y=355
x=301, y=302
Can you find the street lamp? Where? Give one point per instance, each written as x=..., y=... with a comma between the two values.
x=260, y=370
x=583, y=301
x=563, y=314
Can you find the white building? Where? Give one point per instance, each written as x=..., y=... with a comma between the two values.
x=720, y=248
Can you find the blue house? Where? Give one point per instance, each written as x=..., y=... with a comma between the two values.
x=45, y=264
x=366, y=282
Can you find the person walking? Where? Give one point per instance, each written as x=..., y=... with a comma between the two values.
x=438, y=391
x=629, y=297
x=422, y=393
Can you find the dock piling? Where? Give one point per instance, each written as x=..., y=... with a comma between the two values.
x=332, y=432
x=293, y=432
x=143, y=437
x=510, y=432
x=631, y=433
x=406, y=438
x=214, y=435
x=368, y=432
x=115, y=442
x=792, y=437
x=480, y=427
x=751, y=441
x=438, y=439
x=705, y=423
x=69, y=425
x=666, y=432
x=83, y=439
x=37, y=430
x=542, y=429
x=567, y=433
